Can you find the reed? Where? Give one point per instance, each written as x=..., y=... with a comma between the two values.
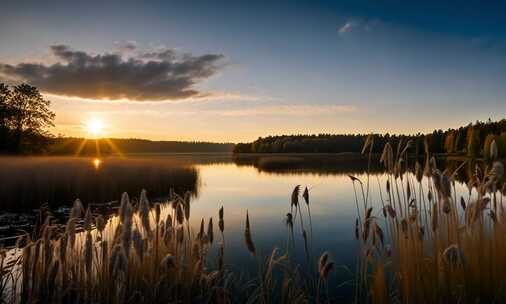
x=143, y=255
x=439, y=248
x=418, y=242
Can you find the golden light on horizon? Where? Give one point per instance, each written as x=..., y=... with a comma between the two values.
x=94, y=127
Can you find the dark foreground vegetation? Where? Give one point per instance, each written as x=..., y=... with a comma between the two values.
x=421, y=243
x=24, y=120
x=472, y=140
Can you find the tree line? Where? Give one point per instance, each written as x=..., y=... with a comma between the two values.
x=473, y=140
x=74, y=145
x=24, y=119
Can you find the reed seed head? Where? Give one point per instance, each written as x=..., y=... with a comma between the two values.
x=179, y=214
x=289, y=220
x=387, y=157
x=494, y=151
x=322, y=261
x=126, y=235
x=100, y=223
x=295, y=196
x=200, y=236
x=138, y=243
x=125, y=208
x=221, y=222
x=77, y=209
x=369, y=141
x=144, y=212
x=247, y=237
x=88, y=219
x=210, y=230
x=305, y=195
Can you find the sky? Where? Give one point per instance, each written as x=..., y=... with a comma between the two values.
x=232, y=71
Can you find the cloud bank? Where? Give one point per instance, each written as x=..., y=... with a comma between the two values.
x=155, y=76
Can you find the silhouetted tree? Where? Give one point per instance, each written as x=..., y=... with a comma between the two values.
x=25, y=118
x=5, y=115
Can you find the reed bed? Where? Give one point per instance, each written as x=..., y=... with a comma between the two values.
x=420, y=243
x=147, y=253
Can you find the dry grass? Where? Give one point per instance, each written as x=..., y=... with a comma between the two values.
x=419, y=243
x=145, y=254
x=427, y=245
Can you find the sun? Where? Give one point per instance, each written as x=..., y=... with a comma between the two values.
x=94, y=127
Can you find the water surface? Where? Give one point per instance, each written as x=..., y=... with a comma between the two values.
x=238, y=184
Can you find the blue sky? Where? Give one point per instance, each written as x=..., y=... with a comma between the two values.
x=280, y=66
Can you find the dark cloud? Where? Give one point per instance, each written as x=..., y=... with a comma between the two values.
x=126, y=46
x=160, y=75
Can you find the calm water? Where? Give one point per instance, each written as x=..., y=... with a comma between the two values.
x=216, y=180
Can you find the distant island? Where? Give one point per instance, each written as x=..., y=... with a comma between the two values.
x=473, y=140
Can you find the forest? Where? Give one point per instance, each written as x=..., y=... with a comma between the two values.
x=472, y=140
x=81, y=146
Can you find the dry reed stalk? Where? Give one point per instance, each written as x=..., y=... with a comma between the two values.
x=247, y=237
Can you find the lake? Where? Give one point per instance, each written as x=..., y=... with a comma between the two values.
x=260, y=185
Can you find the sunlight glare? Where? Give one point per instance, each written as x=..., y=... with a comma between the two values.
x=96, y=163
x=94, y=126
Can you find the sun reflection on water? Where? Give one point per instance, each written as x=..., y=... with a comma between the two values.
x=96, y=163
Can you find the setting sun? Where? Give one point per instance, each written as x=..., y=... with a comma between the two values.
x=94, y=127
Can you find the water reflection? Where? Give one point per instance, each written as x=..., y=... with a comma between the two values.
x=307, y=163
x=30, y=182
x=96, y=163
x=258, y=184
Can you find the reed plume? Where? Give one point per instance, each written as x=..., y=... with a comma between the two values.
x=247, y=237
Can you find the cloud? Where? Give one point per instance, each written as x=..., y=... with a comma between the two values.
x=289, y=110
x=356, y=25
x=211, y=96
x=155, y=76
x=266, y=111
x=347, y=27
x=126, y=46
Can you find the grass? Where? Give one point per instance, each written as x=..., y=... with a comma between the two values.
x=418, y=242
x=145, y=254
x=426, y=245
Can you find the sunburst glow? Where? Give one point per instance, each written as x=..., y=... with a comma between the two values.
x=94, y=127
x=96, y=163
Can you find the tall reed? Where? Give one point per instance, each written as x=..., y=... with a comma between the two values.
x=438, y=248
